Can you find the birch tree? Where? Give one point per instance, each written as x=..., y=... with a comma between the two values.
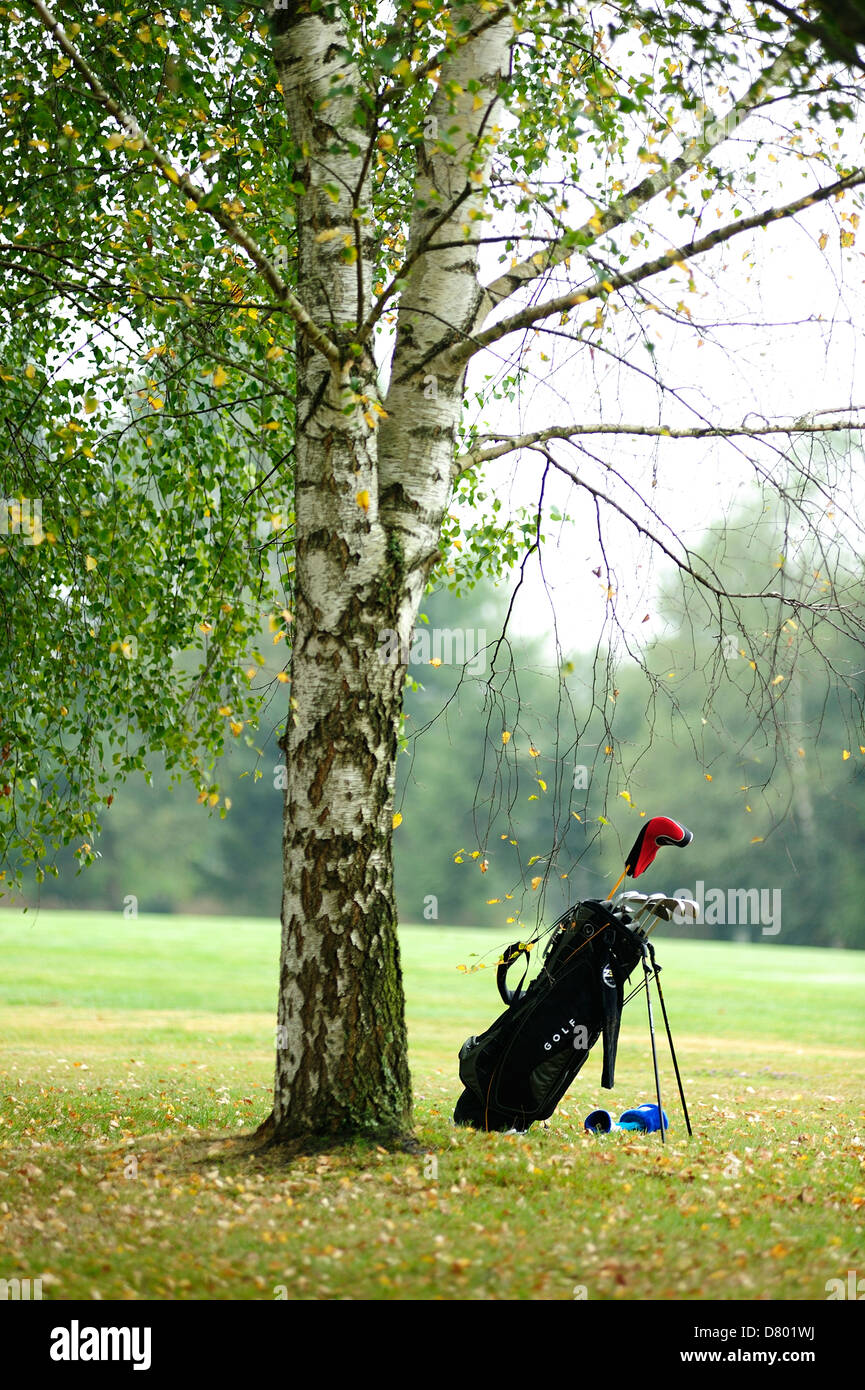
x=259, y=264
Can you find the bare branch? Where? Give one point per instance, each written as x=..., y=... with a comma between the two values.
x=510, y=443
x=821, y=610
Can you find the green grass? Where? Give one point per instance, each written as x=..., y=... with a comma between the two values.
x=133, y=1047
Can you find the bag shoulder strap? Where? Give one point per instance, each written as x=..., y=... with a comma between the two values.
x=512, y=954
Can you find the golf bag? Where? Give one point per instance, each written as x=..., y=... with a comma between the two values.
x=519, y=1069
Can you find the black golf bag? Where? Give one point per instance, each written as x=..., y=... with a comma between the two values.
x=519, y=1069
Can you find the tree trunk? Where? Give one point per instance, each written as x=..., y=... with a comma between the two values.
x=371, y=487
x=341, y=1058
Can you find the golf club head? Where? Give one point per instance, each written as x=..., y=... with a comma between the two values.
x=661, y=906
x=679, y=910
x=630, y=902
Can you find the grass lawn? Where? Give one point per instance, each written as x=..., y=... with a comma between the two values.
x=133, y=1047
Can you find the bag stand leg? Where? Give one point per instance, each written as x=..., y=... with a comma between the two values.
x=652, y=1036
x=657, y=971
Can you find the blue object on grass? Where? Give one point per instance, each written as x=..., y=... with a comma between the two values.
x=644, y=1117
x=599, y=1122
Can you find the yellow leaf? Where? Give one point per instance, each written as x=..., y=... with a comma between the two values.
x=362, y=500
x=236, y=727
x=533, y=751
x=397, y=819
x=58, y=68
x=327, y=235
x=220, y=377
x=29, y=371
x=758, y=839
x=708, y=776
x=845, y=755
x=281, y=676
x=542, y=784
x=89, y=563
x=777, y=680
x=225, y=710
x=506, y=738
x=848, y=238
x=536, y=881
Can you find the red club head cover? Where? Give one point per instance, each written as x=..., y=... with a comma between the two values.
x=660, y=830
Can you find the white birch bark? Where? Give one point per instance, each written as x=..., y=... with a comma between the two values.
x=369, y=507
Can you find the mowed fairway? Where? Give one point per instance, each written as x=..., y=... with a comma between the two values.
x=131, y=1048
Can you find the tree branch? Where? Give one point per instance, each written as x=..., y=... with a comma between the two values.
x=317, y=338
x=602, y=288
x=820, y=610
x=510, y=443
x=715, y=132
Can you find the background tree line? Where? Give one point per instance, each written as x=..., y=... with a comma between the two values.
x=518, y=792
